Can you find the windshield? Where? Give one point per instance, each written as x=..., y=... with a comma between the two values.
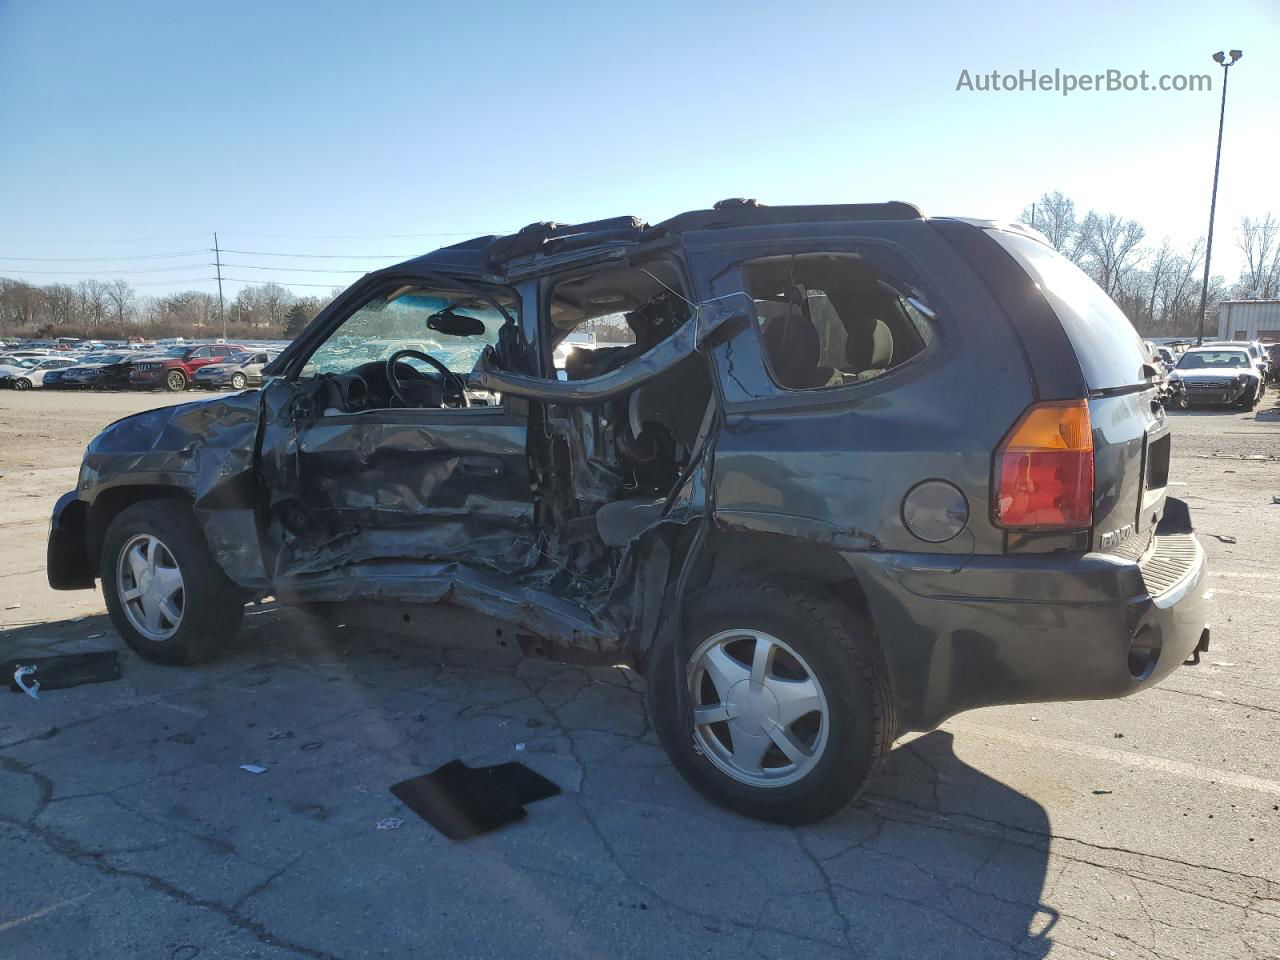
x=1214, y=360
x=453, y=326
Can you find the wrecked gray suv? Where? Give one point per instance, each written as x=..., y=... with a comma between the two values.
x=825, y=474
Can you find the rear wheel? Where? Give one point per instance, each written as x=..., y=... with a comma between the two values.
x=175, y=381
x=239, y=381
x=789, y=712
x=166, y=595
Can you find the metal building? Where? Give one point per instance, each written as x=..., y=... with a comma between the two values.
x=1249, y=320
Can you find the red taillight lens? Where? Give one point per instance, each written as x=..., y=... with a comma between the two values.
x=1044, y=469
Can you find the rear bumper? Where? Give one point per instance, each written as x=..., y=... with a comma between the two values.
x=960, y=632
x=67, y=561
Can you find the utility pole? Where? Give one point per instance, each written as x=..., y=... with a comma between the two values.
x=217, y=259
x=1213, y=200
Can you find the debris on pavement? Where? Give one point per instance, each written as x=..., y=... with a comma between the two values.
x=19, y=677
x=462, y=801
x=252, y=768
x=390, y=823
x=63, y=670
x=1225, y=538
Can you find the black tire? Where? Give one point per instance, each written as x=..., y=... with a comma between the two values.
x=175, y=381
x=22, y=383
x=213, y=606
x=840, y=650
x=239, y=381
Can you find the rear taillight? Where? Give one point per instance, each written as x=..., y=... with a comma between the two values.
x=1043, y=469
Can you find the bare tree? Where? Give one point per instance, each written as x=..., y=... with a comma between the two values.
x=1110, y=247
x=1054, y=215
x=1259, y=241
x=92, y=296
x=120, y=297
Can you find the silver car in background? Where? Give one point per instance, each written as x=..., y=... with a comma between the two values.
x=237, y=372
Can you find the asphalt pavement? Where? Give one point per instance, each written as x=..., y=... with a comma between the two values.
x=1145, y=827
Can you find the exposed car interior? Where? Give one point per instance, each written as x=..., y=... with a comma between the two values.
x=624, y=455
x=829, y=320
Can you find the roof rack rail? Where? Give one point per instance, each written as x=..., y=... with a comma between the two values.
x=535, y=236
x=738, y=212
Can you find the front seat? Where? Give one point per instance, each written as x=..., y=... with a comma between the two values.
x=792, y=345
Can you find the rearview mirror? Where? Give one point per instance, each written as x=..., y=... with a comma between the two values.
x=455, y=324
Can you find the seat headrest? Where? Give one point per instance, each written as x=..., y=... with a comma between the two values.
x=870, y=346
x=793, y=348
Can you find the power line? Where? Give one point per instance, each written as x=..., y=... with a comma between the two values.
x=115, y=273
x=250, y=266
x=369, y=236
x=179, y=236
x=284, y=283
x=324, y=256
x=138, y=256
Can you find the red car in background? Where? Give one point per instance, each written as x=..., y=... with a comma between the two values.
x=175, y=369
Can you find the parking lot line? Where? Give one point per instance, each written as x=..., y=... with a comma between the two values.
x=1177, y=768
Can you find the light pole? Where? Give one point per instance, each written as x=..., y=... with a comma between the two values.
x=1213, y=200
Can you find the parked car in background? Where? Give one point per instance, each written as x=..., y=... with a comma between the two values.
x=237, y=371
x=102, y=370
x=33, y=376
x=175, y=370
x=1273, y=355
x=1257, y=355
x=771, y=502
x=1218, y=375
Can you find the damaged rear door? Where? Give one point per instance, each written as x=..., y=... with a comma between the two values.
x=370, y=482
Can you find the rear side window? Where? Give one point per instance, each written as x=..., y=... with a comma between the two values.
x=831, y=320
x=1107, y=346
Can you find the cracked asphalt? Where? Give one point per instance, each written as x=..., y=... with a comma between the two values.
x=1136, y=828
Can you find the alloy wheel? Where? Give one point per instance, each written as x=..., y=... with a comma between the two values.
x=760, y=714
x=149, y=583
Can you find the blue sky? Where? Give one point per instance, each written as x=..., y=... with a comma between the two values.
x=131, y=120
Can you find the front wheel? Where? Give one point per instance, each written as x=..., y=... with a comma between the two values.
x=22, y=383
x=238, y=381
x=166, y=595
x=175, y=381
x=775, y=702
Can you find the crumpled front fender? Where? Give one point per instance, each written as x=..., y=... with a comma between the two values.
x=204, y=449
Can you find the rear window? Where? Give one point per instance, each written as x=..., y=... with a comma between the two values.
x=1107, y=347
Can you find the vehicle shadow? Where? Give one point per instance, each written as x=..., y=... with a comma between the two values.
x=937, y=859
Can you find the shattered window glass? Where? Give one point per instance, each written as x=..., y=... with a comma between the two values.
x=454, y=327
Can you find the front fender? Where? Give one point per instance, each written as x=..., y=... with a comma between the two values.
x=204, y=449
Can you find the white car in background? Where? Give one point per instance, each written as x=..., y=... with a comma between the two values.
x=25, y=377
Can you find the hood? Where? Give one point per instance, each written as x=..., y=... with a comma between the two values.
x=1211, y=373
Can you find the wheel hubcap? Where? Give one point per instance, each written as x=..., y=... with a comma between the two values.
x=150, y=586
x=175, y=380
x=759, y=713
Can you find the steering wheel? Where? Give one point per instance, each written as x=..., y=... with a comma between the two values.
x=451, y=379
